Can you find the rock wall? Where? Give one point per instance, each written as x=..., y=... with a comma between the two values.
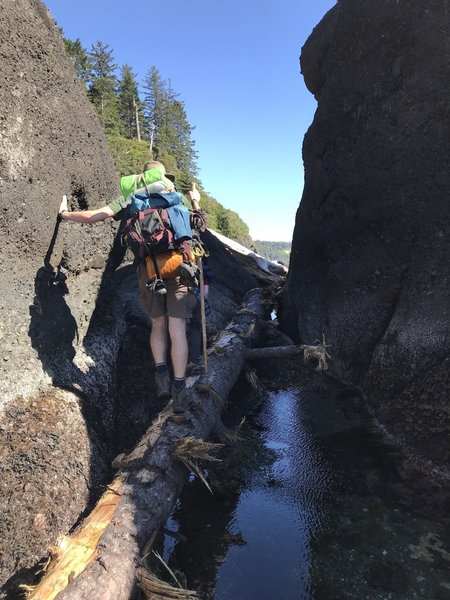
x=56, y=351
x=50, y=143
x=371, y=250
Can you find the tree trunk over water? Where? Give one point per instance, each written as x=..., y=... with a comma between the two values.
x=99, y=560
x=277, y=352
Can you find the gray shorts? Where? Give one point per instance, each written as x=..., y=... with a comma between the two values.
x=178, y=302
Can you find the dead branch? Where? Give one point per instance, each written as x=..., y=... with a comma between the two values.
x=319, y=352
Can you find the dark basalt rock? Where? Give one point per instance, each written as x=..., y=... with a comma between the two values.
x=371, y=250
x=56, y=356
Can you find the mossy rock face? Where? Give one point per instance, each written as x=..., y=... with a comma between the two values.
x=371, y=249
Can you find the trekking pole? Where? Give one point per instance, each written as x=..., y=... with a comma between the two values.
x=203, y=315
x=195, y=206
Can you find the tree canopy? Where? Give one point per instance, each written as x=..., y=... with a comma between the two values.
x=152, y=125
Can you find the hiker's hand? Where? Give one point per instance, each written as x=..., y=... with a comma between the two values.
x=194, y=195
x=63, y=206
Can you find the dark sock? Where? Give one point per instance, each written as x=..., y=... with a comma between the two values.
x=179, y=383
x=161, y=367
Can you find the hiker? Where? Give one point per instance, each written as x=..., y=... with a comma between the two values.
x=169, y=310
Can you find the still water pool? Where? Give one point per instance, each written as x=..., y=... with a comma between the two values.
x=312, y=504
x=280, y=511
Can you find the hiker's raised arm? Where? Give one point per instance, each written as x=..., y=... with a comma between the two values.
x=194, y=196
x=84, y=216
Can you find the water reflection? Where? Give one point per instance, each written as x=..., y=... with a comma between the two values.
x=315, y=505
x=281, y=512
x=253, y=541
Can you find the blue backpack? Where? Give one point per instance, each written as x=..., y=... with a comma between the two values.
x=156, y=223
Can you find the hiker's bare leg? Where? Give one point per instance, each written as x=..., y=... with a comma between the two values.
x=158, y=339
x=179, y=347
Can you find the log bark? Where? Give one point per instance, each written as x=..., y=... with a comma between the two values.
x=149, y=480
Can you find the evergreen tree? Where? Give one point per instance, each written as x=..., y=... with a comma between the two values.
x=184, y=182
x=103, y=87
x=130, y=106
x=129, y=154
x=166, y=135
x=154, y=104
x=169, y=131
x=179, y=135
x=79, y=56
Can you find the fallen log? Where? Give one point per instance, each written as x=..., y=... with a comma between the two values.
x=273, y=352
x=100, y=559
x=317, y=352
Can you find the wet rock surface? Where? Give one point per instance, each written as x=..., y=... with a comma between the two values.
x=371, y=248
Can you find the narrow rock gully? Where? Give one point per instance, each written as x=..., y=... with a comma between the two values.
x=309, y=501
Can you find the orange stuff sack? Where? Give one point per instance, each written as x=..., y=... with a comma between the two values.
x=168, y=263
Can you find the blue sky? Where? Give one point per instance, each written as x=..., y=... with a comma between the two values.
x=235, y=65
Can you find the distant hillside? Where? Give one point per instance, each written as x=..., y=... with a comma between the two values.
x=279, y=251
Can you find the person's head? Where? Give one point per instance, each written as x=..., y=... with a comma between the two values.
x=154, y=164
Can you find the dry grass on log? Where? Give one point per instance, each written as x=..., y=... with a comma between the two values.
x=190, y=449
x=155, y=589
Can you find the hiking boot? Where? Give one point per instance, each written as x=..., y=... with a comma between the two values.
x=189, y=274
x=181, y=400
x=162, y=385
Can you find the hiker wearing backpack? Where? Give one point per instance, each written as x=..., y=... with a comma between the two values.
x=157, y=228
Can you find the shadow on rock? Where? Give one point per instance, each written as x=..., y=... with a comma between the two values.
x=53, y=329
x=54, y=335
